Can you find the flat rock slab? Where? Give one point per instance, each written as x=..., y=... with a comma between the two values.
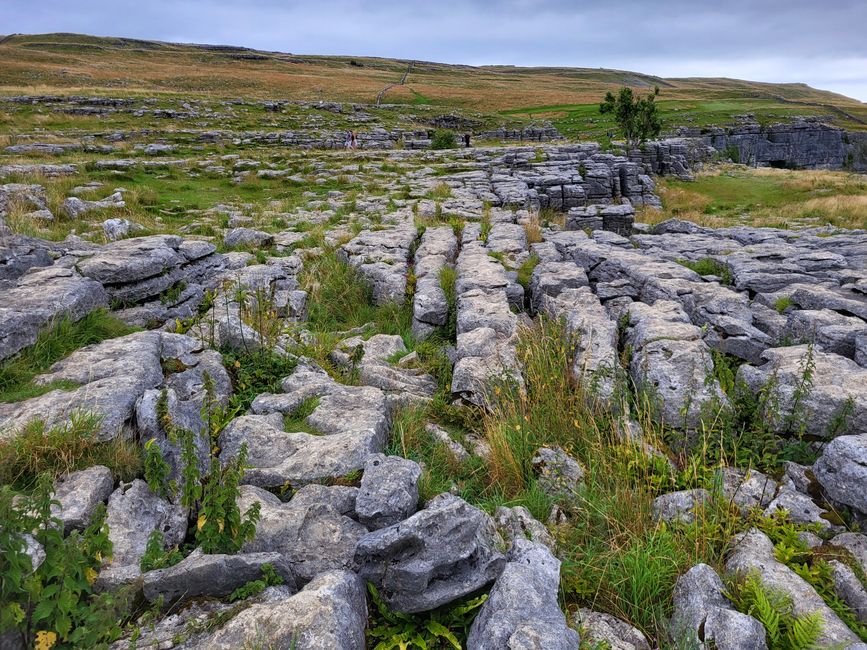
x=836, y=387
x=135, y=259
x=215, y=576
x=110, y=376
x=40, y=297
x=277, y=457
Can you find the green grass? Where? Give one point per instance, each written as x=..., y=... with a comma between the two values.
x=38, y=449
x=340, y=299
x=783, y=303
x=734, y=194
x=297, y=419
x=709, y=266
x=584, y=120
x=53, y=344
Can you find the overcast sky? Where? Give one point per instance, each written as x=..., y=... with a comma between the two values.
x=822, y=43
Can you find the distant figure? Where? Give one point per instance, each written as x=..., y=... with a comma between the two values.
x=467, y=140
x=353, y=141
x=347, y=144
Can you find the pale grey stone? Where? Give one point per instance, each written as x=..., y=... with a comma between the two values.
x=522, y=610
x=388, y=492
x=329, y=613
x=216, y=575
x=79, y=494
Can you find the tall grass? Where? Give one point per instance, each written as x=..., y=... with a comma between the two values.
x=340, y=299
x=615, y=556
x=54, y=343
x=728, y=195
x=38, y=449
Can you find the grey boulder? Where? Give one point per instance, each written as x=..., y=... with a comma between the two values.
x=330, y=613
x=388, y=492
x=79, y=494
x=441, y=553
x=600, y=628
x=134, y=512
x=842, y=471
x=311, y=537
x=522, y=612
x=247, y=238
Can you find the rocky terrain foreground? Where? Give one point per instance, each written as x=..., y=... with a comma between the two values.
x=348, y=355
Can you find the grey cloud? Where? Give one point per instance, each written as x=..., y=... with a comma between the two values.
x=822, y=44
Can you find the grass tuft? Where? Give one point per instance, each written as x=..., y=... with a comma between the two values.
x=57, y=450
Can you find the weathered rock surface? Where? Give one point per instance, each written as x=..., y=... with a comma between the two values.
x=134, y=512
x=522, y=609
x=601, y=628
x=40, y=297
x=747, y=490
x=216, y=575
x=329, y=613
x=672, y=362
x=382, y=256
x=842, y=471
x=312, y=537
x=704, y=617
x=443, y=552
x=109, y=378
x=370, y=360
x=679, y=506
x=79, y=494
x=596, y=359
x=836, y=387
x=388, y=492
x=517, y=523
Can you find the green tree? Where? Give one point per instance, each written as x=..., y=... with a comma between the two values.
x=637, y=117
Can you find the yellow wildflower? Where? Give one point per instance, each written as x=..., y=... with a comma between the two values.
x=45, y=640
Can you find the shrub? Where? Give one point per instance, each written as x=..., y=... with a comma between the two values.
x=210, y=499
x=443, y=139
x=54, y=605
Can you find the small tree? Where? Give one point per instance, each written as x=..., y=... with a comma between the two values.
x=637, y=117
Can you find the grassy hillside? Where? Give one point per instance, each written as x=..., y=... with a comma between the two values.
x=566, y=96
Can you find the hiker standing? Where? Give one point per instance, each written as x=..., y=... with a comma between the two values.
x=347, y=143
x=467, y=140
x=353, y=141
